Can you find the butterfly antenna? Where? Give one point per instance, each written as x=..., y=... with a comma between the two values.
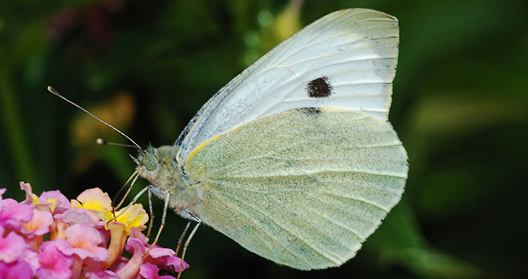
x=101, y=141
x=56, y=93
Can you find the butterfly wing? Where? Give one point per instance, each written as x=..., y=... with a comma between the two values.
x=294, y=159
x=345, y=60
x=304, y=187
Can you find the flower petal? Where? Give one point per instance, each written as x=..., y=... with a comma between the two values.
x=82, y=240
x=18, y=270
x=39, y=224
x=30, y=197
x=93, y=199
x=13, y=214
x=54, y=264
x=133, y=216
x=56, y=199
x=150, y=271
x=11, y=247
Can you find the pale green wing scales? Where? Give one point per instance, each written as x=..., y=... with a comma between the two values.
x=304, y=187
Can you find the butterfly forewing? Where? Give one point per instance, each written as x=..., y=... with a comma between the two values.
x=350, y=54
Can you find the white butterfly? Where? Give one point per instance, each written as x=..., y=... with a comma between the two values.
x=294, y=159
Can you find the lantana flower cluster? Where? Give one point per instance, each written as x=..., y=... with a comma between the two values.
x=49, y=236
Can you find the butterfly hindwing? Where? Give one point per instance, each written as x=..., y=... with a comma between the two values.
x=303, y=187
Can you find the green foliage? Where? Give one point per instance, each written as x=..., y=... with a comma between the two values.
x=459, y=106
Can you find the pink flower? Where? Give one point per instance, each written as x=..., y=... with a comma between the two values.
x=93, y=199
x=138, y=244
x=53, y=263
x=12, y=214
x=58, y=201
x=171, y=263
x=133, y=216
x=137, y=236
x=11, y=247
x=30, y=197
x=165, y=258
x=53, y=201
x=150, y=271
x=100, y=274
x=82, y=240
x=18, y=270
x=31, y=258
x=117, y=238
x=39, y=224
x=119, y=264
x=77, y=216
x=93, y=271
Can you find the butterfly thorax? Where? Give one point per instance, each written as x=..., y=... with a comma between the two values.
x=164, y=170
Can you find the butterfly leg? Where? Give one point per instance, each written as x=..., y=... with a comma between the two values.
x=151, y=210
x=131, y=203
x=135, y=176
x=182, y=237
x=162, y=225
x=198, y=222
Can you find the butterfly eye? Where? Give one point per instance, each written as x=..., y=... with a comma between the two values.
x=150, y=162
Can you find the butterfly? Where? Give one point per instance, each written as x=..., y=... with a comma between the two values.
x=294, y=159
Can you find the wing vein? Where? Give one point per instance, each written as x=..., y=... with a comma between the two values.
x=238, y=228
x=285, y=148
x=279, y=225
x=314, y=227
x=343, y=52
x=333, y=221
x=268, y=154
x=331, y=24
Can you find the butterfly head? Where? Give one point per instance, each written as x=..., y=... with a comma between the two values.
x=159, y=165
x=147, y=159
x=148, y=163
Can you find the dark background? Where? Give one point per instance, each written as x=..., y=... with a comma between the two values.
x=460, y=106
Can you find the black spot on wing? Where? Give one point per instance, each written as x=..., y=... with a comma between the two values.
x=319, y=88
x=310, y=110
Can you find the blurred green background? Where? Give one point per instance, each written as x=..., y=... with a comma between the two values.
x=460, y=106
